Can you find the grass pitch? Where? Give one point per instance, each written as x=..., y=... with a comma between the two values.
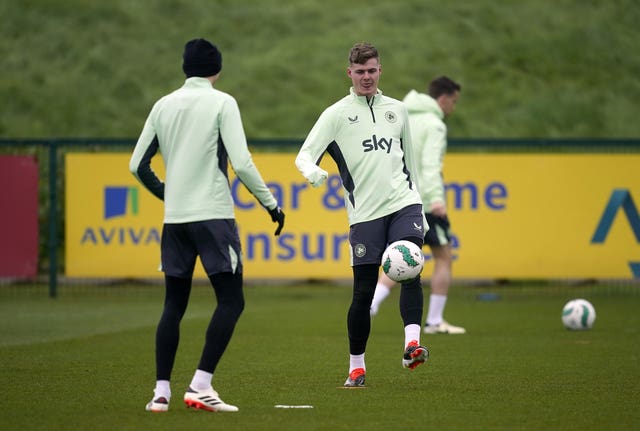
x=85, y=361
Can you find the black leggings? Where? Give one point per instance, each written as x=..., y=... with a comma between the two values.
x=365, y=278
x=230, y=298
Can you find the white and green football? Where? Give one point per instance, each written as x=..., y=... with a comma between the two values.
x=402, y=261
x=578, y=314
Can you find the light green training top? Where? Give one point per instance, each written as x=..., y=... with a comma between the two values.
x=430, y=135
x=371, y=144
x=198, y=130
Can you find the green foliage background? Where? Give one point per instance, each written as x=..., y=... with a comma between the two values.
x=529, y=68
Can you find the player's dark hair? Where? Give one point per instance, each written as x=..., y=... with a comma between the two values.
x=362, y=52
x=443, y=85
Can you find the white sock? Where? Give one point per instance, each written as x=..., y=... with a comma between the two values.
x=436, y=309
x=356, y=361
x=380, y=295
x=163, y=389
x=201, y=380
x=411, y=332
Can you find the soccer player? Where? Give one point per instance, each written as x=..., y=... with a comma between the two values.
x=426, y=115
x=367, y=135
x=198, y=130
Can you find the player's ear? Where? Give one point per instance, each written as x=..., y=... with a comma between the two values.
x=349, y=72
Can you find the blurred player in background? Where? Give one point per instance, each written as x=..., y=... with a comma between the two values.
x=367, y=135
x=198, y=130
x=426, y=114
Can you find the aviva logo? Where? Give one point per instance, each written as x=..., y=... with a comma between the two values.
x=620, y=199
x=117, y=199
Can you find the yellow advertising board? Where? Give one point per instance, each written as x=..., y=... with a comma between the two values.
x=535, y=216
x=513, y=216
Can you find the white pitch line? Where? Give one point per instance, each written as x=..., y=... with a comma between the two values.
x=282, y=406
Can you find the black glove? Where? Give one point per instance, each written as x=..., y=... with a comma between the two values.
x=277, y=216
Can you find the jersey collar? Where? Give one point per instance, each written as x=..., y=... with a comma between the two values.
x=363, y=99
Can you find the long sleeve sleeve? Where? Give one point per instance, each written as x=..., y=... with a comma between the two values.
x=430, y=171
x=314, y=146
x=140, y=162
x=235, y=143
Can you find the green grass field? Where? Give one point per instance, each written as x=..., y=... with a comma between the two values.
x=85, y=361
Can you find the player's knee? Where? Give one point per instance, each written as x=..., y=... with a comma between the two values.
x=365, y=278
x=412, y=284
x=229, y=292
x=237, y=305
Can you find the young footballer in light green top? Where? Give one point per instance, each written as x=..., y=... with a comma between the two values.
x=367, y=135
x=426, y=114
x=198, y=131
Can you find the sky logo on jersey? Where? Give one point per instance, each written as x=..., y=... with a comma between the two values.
x=375, y=144
x=120, y=200
x=620, y=199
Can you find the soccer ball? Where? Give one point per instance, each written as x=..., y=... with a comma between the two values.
x=402, y=261
x=578, y=314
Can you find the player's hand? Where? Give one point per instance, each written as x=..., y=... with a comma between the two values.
x=438, y=209
x=277, y=216
x=318, y=177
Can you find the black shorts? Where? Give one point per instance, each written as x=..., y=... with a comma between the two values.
x=216, y=242
x=369, y=239
x=439, y=232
